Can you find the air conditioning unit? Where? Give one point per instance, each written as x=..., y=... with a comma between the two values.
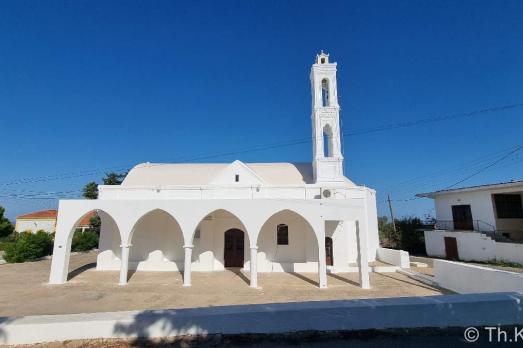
x=327, y=193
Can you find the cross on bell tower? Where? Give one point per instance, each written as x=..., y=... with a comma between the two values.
x=327, y=157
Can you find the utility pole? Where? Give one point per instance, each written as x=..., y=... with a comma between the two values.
x=391, y=214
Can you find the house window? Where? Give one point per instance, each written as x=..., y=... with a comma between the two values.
x=237, y=178
x=283, y=234
x=508, y=206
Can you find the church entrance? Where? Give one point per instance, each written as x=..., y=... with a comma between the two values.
x=329, y=254
x=233, y=253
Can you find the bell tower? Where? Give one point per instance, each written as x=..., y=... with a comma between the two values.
x=326, y=149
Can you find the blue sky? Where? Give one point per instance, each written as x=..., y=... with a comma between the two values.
x=90, y=85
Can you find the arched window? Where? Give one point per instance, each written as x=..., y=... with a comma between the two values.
x=325, y=93
x=282, y=231
x=327, y=141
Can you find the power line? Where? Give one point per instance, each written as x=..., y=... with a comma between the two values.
x=487, y=166
x=504, y=156
x=255, y=148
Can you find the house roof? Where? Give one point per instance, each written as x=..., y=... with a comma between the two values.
x=501, y=185
x=42, y=214
x=52, y=214
x=165, y=174
x=85, y=219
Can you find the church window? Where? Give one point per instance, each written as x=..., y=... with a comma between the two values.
x=283, y=234
x=237, y=178
x=325, y=93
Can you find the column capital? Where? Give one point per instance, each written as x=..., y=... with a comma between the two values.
x=125, y=245
x=254, y=247
x=188, y=246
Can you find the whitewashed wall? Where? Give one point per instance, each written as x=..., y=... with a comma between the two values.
x=47, y=225
x=398, y=258
x=482, y=207
x=466, y=279
x=157, y=244
x=480, y=203
x=473, y=246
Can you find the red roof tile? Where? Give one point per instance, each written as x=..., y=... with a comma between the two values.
x=43, y=214
x=85, y=220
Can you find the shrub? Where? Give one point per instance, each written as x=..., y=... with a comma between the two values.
x=9, y=239
x=83, y=241
x=29, y=247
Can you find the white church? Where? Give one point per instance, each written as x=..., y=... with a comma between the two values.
x=258, y=217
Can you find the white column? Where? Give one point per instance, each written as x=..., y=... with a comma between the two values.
x=254, y=267
x=60, y=262
x=187, y=265
x=124, y=266
x=363, y=261
x=322, y=263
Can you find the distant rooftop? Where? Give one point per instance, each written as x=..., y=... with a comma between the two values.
x=52, y=214
x=500, y=185
x=42, y=214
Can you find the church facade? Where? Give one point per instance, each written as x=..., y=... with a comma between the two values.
x=257, y=217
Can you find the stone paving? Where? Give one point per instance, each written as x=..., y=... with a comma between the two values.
x=24, y=289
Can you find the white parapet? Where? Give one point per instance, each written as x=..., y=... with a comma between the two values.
x=398, y=258
x=465, y=279
x=404, y=312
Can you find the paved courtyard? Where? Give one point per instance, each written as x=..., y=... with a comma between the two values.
x=24, y=289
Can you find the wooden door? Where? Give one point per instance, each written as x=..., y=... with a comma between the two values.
x=329, y=257
x=451, y=248
x=462, y=217
x=234, y=248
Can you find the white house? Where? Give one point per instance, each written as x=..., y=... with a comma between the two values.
x=261, y=217
x=43, y=220
x=478, y=223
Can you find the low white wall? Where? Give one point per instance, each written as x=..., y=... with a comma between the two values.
x=404, y=312
x=398, y=258
x=511, y=252
x=473, y=246
x=465, y=279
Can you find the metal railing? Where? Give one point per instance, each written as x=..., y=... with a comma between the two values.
x=477, y=226
x=474, y=225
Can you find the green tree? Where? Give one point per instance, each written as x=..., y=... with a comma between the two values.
x=113, y=178
x=90, y=190
x=6, y=227
x=412, y=238
x=95, y=223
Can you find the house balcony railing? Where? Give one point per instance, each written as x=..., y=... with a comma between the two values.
x=474, y=225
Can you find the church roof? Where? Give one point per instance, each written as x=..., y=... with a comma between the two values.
x=164, y=174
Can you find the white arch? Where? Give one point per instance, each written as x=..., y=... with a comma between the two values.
x=144, y=215
x=266, y=220
x=63, y=239
x=202, y=218
x=295, y=257
x=153, y=251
